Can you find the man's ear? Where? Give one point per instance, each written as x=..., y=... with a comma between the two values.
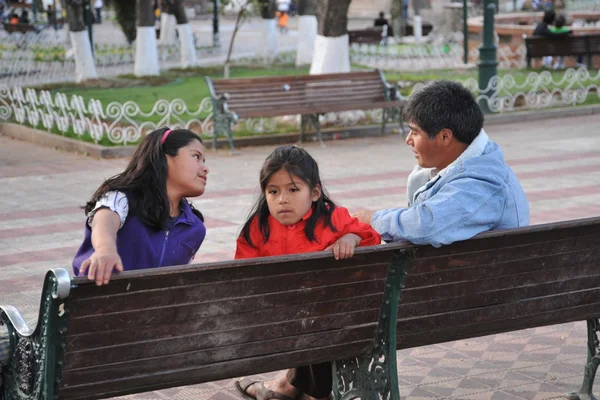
x=446, y=136
x=316, y=193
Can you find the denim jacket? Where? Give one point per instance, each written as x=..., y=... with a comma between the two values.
x=478, y=192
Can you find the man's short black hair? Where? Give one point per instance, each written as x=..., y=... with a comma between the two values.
x=445, y=105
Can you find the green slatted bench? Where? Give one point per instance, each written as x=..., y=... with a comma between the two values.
x=161, y=328
x=306, y=95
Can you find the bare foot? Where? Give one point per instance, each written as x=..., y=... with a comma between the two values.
x=280, y=385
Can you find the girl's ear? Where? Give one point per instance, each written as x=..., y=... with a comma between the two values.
x=316, y=193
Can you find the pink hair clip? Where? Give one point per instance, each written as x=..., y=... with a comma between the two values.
x=164, y=136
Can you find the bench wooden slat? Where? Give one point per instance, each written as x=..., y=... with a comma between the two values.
x=220, y=292
x=488, y=298
x=246, y=366
x=476, y=329
x=242, y=335
x=169, y=361
x=361, y=283
x=300, y=106
x=530, y=307
x=320, y=110
x=125, y=335
x=190, y=312
x=533, y=278
x=299, y=78
x=278, y=90
x=486, y=265
x=181, y=276
x=301, y=99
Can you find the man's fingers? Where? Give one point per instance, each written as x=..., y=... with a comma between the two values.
x=119, y=267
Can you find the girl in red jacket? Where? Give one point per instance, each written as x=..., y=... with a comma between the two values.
x=295, y=215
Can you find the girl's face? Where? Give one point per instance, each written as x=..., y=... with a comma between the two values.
x=187, y=171
x=289, y=198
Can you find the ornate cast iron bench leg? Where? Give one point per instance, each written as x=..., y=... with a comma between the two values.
x=591, y=365
x=33, y=370
x=374, y=376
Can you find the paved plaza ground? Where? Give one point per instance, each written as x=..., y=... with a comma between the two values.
x=557, y=161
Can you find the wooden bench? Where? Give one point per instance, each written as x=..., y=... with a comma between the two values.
x=160, y=328
x=570, y=45
x=372, y=35
x=306, y=95
x=368, y=35
x=20, y=27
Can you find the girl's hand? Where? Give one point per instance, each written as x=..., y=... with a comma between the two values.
x=101, y=265
x=343, y=248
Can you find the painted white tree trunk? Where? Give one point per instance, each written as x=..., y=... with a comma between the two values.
x=269, y=38
x=167, y=29
x=188, y=49
x=146, y=54
x=307, y=33
x=85, y=68
x=332, y=54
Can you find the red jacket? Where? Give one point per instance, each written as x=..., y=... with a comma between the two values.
x=290, y=239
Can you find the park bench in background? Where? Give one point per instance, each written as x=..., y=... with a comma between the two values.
x=305, y=95
x=372, y=35
x=177, y=326
x=571, y=45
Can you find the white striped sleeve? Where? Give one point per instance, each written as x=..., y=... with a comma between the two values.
x=115, y=201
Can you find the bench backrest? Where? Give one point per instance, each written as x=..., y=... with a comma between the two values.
x=182, y=325
x=289, y=95
x=538, y=46
x=372, y=35
x=500, y=282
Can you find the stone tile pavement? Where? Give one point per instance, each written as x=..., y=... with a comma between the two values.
x=557, y=160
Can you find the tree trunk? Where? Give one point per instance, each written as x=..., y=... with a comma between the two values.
x=186, y=36
x=332, y=49
x=126, y=13
x=168, y=24
x=85, y=68
x=269, y=34
x=307, y=31
x=146, y=54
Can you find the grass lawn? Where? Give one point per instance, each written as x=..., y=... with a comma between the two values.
x=189, y=85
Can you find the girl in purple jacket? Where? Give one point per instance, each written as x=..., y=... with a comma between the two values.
x=140, y=218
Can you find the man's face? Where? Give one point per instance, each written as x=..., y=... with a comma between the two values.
x=428, y=152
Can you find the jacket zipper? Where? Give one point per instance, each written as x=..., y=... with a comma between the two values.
x=162, y=254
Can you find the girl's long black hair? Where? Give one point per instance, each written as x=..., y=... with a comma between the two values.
x=297, y=162
x=144, y=180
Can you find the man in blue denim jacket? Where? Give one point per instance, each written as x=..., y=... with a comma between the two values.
x=461, y=185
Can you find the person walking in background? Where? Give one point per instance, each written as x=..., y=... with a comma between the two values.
x=98, y=7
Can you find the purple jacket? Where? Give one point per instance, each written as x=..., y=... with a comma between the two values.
x=143, y=247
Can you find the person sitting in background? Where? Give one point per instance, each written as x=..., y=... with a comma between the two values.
x=383, y=23
x=559, y=27
x=543, y=29
x=24, y=18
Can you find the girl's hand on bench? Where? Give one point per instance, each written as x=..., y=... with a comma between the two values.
x=344, y=247
x=101, y=265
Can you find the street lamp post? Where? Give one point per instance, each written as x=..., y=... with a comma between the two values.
x=487, y=54
x=216, y=41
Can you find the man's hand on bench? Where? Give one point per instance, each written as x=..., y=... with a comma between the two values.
x=101, y=265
